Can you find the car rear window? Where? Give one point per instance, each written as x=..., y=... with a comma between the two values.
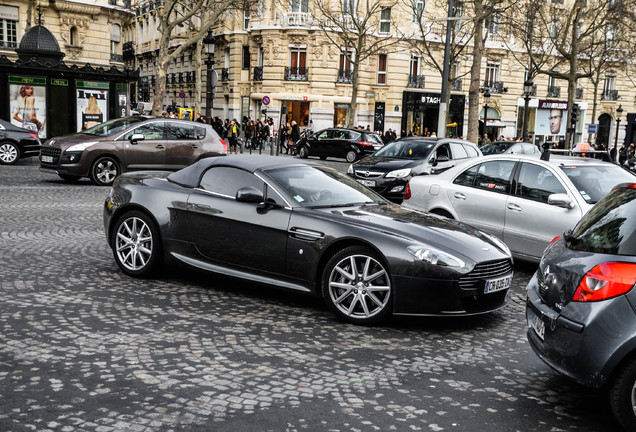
x=610, y=226
x=372, y=138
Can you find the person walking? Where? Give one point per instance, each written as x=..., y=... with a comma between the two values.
x=282, y=133
x=294, y=135
x=232, y=135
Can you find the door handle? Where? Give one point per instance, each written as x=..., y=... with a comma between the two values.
x=160, y=146
x=460, y=196
x=194, y=146
x=514, y=207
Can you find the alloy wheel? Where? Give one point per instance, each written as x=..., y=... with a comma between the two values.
x=8, y=153
x=134, y=244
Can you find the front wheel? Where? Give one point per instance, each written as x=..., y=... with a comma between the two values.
x=136, y=244
x=356, y=285
x=9, y=153
x=351, y=156
x=622, y=395
x=303, y=152
x=104, y=171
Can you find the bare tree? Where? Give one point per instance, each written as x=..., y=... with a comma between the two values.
x=354, y=26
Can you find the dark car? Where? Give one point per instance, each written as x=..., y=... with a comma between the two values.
x=510, y=147
x=309, y=229
x=129, y=144
x=389, y=169
x=350, y=144
x=581, y=307
x=17, y=143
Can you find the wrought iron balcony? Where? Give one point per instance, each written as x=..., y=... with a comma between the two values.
x=495, y=87
x=609, y=95
x=345, y=76
x=456, y=84
x=554, y=91
x=296, y=74
x=415, y=81
x=579, y=93
x=225, y=74
x=153, y=80
x=128, y=49
x=258, y=73
x=116, y=57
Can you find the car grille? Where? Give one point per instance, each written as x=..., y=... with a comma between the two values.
x=543, y=288
x=367, y=174
x=51, y=151
x=484, y=271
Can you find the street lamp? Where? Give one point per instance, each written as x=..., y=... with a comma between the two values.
x=486, y=100
x=619, y=111
x=208, y=44
x=527, y=92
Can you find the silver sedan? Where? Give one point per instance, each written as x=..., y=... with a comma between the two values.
x=523, y=200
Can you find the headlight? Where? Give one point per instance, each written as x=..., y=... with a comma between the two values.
x=350, y=169
x=435, y=256
x=81, y=147
x=401, y=173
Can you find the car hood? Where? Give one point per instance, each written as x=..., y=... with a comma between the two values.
x=417, y=227
x=66, y=141
x=385, y=163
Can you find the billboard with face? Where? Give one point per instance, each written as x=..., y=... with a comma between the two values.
x=28, y=104
x=92, y=104
x=551, y=118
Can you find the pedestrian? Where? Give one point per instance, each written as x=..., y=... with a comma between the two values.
x=294, y=135
x=232, y=135
x=622, y=154
x=434, y=134
x=282, y=134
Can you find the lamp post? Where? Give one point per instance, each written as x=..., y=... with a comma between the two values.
x=443, y=104
x=208, y=44
x=527, y=91
x=486, y=100
x=619, y=111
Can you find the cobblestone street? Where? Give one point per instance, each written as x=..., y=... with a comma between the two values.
x=85, y=348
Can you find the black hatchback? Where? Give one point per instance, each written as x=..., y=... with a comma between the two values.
x=350, y=144
x=581, y=305
x=389, y=169
x=17, y=143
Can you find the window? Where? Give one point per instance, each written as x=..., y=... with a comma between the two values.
x=246, y=57
x=246, y=19
x=150, y=131
x=554, y=27
x=467, y=178
x=346, y=60
x=9, y=29
x=382, y=69
x=458, y=151
x=227, y=181
x=537, y=183
x=298, y=60
x=179, y=131
x=492, y=74
x=471, y=151
x=300, y=6
x=493, y=22
x=608, y=84
x=349, y=7
x=115, y=38
x=458, y=11
x=418, y=10
x=552, y=82
x=415, y=65
x=73, y=37
x=385, y=20
x=494, y=176
x=610, y=35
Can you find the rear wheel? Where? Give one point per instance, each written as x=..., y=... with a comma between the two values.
x=303, y=152
x=622, y=395
x=356, y=286
x=351, y=156
x=9, y=153
x=136, y=244
x=104, y=171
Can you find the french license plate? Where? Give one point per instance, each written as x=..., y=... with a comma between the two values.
x=539, y=327
x=48, y=159
x=367, y=183
x=499, y=284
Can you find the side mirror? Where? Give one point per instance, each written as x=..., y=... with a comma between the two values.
x=442, y=158
x=561, y=200
x=249, y=195
x=137, y=137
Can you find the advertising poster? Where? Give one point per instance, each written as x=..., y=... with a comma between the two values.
x=551, y=118
x=28, y=103
x=92, y=104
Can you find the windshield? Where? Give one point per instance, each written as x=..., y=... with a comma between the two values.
x=496, y=147
x=322, y=187
x=406, y=149
x=113, y=126
x=595, y=181
x=610, y=226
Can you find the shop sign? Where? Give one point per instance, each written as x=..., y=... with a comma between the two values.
x=552, y=104
x=93, y=84
x=27, y=80
x=10, y=13
x=431, y=100
x=27, y=97
x=59, y=82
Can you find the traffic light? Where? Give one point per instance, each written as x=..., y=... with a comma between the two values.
x=575, y=114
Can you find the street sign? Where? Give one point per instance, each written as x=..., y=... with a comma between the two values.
x=266, y=100
x=591, y=128
x=181, y=95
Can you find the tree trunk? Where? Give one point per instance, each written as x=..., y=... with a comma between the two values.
x=475, y=76
x=590, y=137
x=197, y=74
x=160, y=74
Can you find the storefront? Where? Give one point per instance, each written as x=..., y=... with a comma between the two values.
x=421, y=112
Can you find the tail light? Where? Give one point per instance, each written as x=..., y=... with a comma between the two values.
x=605, y=281
x=407, y=191
x=365, y=143
x=224, y=145
x=555, y=239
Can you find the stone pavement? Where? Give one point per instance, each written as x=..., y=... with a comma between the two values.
x=85, y=348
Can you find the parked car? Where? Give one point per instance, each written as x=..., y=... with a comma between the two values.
x=350, y=144
x=389, y=169
x=523, y=200
x=128, y=144
x=581, y=302
x=17, y=143
x=510, y=147
x=306, y=228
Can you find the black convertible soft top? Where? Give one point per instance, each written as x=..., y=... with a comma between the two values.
x=190, y=176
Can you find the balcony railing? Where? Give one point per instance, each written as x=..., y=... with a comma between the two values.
x=415, y=81
x=345, y=76
x=297, y=19
x=258, y=73
x=609, y=95
x=116, y=57
x=579, y=93
x=8, y=45
x=296, y=74
x=225, y=74
x=554, y=91
x=495, y=87
x=456, y=84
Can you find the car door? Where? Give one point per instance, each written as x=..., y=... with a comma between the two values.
x=148, y=153
x=320, y=142
x=479, y=195
x=531, y=223
x=182, y=146
x=237, y=234
x=340, y=143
